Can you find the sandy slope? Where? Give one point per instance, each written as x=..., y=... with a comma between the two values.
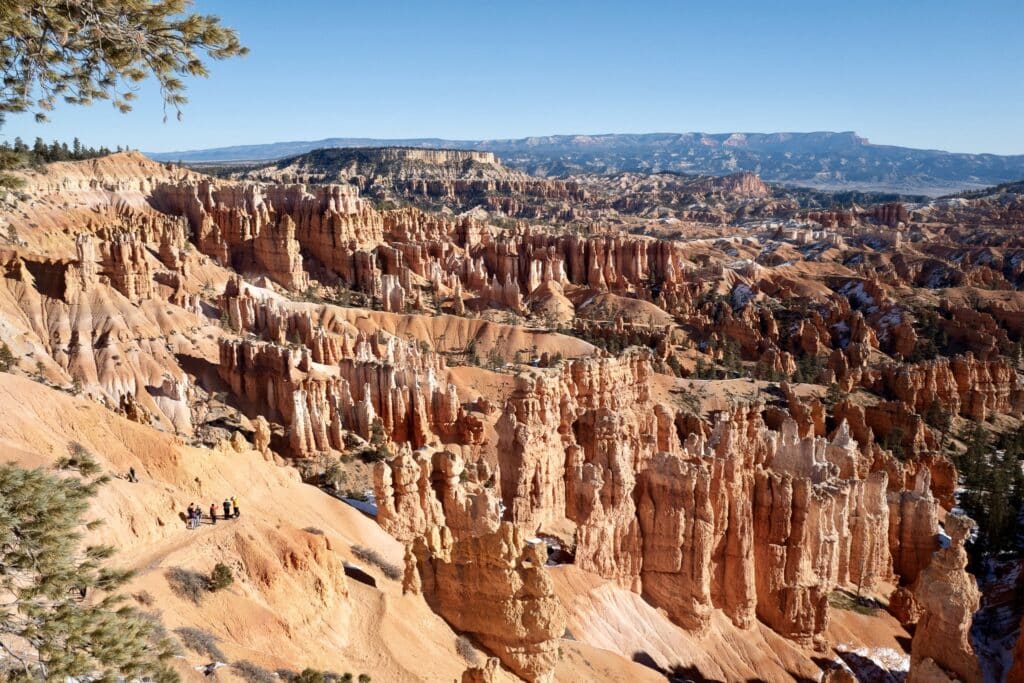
x=610, y=617
x=290, y=605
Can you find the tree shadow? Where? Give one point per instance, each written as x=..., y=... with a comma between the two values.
x=677, y=674
x=357, y=573
x=866, y=670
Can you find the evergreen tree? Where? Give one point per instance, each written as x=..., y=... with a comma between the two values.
x=52, y=626
x=992, y=488
x=47, y=54
x=7, y=360
x=834, y=395
x=937, y=417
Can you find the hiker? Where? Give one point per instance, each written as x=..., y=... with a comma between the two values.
x=227, y=509
x=191, y=515
x=213, y=513
x=199, y=517
x=234, y=504
x=131, y=475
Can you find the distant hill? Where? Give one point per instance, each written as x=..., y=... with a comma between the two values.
x=823, y=160
x=1016, y=187
x=342, y=165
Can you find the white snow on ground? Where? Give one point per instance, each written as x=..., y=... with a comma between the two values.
x=741, y=296
x=368, y=506
x=882, y=664
x=936, y=280
x=854, y=291
x=891, y=318
x=263, y=293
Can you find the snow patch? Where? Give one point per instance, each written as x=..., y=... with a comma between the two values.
x=368, y=506
x=741, y=296
x=875, y=663
x=854, y=291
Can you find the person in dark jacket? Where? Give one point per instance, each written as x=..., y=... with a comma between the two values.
x=227, y=509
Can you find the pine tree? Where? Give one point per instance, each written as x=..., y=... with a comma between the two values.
x=834, y=395
x=937, y=417
x=7, y=360
x=62, y=616
x=46, y=56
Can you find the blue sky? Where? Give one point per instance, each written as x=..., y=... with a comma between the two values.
x=920, y=73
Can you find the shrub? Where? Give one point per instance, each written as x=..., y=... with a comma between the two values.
x=842, y=599
x=201, y=642
x=78, y=458
x=371, y=556
x=252, y=673
x=834, y=395
x=364, y=678
x=464, y=646
x=7, y=360
x=309, y=676
x=155, y=620
x=221, y=577
x=187, y=584
x=144, y=598
x=334, y=476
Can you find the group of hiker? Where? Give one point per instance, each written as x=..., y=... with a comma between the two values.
x=195, y=513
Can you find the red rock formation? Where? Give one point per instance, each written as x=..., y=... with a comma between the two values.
x=125, y=263
x=890, y=214
x=948, y=596
x=746, y=520
x=484, y=576
x=369, y=379
x=677, y=523
x=252, y=227
x=535, y=429
x=482, y=674
x=962, y=385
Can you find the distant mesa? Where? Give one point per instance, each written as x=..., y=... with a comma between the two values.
x=822, y=160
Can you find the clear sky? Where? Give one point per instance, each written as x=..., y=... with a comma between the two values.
x=920, y=73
